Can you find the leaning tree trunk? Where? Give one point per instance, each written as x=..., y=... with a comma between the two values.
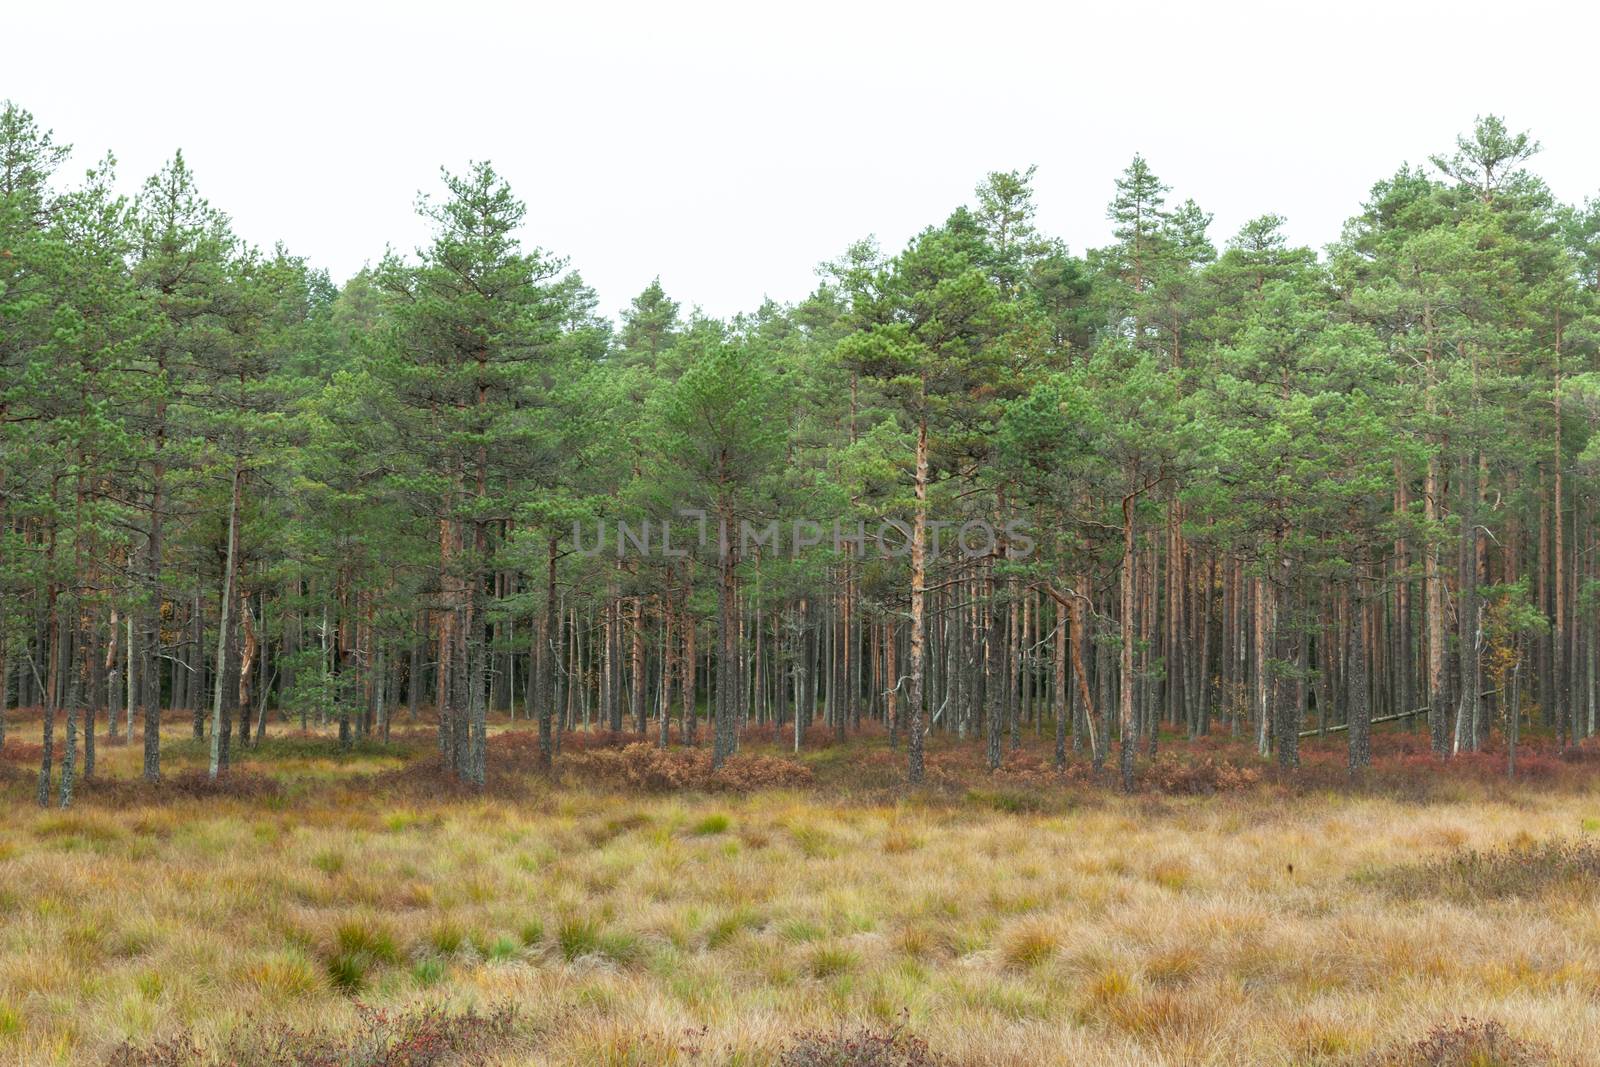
x=222, y=629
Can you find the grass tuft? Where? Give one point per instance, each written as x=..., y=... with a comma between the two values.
x=576, y=936
x=828, y=961
x=428, y=972
x=286, y=976
x=446, y=938
x=348, y=972
x=715, y=823
x=373, y=941
x=1029, y=946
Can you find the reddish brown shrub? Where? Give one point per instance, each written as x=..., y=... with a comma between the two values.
x=1525, y=869
x=245, y=785
x=184, y=785
x=1467, y=1043
x=1176, y=775
x=819, y=736
x=426, y=1037
x=866, y=1047
x=646, y=767
x=14, y=751
x=740, y=774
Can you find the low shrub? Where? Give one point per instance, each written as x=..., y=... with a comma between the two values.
x=651, y=769
x=109, y=791
x=242, y=785
x=15, y=751
x=1171, y=774
x=424, y=1037
x=864, y=1047
x=1466, y=1043
x=743, y=774
x=1521, y=869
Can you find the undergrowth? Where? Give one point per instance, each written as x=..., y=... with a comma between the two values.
x=1520, y=869
x=422, y=1037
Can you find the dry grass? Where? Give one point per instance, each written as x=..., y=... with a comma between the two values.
x=1248, y=927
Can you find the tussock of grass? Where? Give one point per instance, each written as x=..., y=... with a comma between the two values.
x=369, y=939
x=715, y=823
x=348, y=971
x=502, y=949
x=827, y=961
x=1176, y=966
x=1173, y=874
x=898, y=840
x=150, y=984
x=77, y=824
x=726, y=927
x=447, y=938
x=813, y=841
x=1028, y=946
x=428, y=972
x=800, y=930
x=285, y=976
x=577, y=937
x=330, y=862
x=359, y=948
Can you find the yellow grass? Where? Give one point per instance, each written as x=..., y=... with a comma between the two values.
x=1124, y=933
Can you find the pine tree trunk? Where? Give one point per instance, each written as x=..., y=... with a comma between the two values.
x=72, y=682
x=919, y=583
x=150, y=626
x=1466, y=729
x=1360, y=715
x=1058, y=697
x=1433, y=583
x=545, y=657
x=1125, y=705
x=727, y=673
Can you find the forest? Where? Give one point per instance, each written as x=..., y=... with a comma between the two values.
x=1273, y=491
x=1181, y=651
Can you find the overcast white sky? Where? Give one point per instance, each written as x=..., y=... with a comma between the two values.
x=731, y=147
